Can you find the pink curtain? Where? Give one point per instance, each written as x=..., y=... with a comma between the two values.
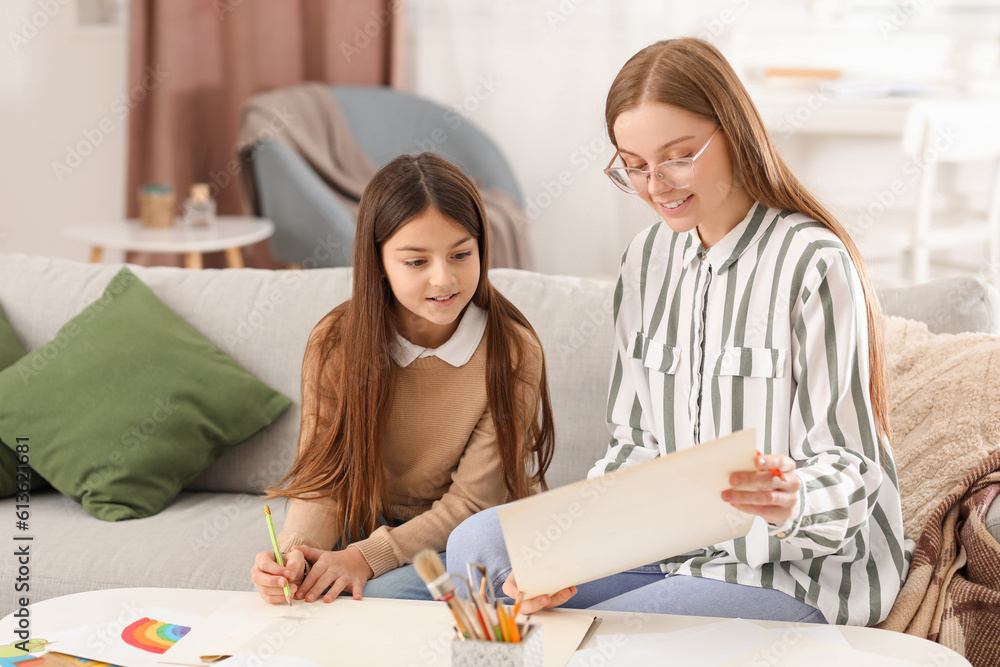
x=194, y=62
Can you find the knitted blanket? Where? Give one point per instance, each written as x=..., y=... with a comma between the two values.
x=946, y=444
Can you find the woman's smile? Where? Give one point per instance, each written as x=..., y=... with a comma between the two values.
x=675, y=206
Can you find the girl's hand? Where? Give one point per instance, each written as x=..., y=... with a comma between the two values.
x=269, y=578
x=339, y=570
x=760, y=492
x=531, y=605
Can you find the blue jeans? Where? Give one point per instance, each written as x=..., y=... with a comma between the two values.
x=643, y=589
x=403, y=583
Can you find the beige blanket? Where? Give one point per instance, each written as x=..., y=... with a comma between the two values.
x=946, y=444
x=308, y=119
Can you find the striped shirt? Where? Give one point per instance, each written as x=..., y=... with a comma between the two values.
x=767, y=329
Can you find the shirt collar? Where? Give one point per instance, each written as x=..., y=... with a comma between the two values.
x=729, y=249
x=456, y=351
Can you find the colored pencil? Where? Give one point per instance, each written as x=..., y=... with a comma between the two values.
x=504, y=626
x=774, y=471
x=277, y=552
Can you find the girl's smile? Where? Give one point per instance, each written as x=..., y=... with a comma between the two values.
x=442, y=301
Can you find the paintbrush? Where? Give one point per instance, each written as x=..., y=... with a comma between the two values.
x=431, y=570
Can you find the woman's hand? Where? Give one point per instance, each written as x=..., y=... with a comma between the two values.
x=269, y=578
x=339, y=570
x=531, y=605
x=760, y=492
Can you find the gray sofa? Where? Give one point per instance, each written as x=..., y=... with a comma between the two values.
x=207, y=536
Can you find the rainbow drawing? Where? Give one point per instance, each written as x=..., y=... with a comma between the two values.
x=152, y=635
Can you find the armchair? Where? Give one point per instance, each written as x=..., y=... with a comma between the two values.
x=312, y=221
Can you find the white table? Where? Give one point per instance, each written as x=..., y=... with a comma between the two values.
x=57, y=614
x=229, y=234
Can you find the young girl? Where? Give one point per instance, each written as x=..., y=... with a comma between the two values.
x=424, y=397
x=748, y=306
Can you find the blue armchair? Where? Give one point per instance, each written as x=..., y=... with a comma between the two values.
x=312, y=222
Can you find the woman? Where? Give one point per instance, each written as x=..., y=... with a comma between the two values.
x=747, y=305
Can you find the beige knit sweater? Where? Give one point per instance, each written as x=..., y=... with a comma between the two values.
x=439, y=450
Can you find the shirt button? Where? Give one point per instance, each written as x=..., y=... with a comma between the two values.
x=780, y=535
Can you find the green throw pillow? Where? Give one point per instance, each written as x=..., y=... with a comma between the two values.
x=11, y=351
x=128, y=403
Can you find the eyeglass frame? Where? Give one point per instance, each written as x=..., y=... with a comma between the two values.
x=647, y=172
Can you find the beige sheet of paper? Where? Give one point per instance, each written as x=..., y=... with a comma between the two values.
x=627, y=518
x=368, y=632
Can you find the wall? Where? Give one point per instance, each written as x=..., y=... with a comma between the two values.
x=63, y=102
x=534, y=74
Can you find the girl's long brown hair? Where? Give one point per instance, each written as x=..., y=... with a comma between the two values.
x=691, y=74
x=346, y=460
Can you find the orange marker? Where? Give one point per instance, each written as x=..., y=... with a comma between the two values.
x=774, y=471
x=517, y=604
x=515, y=632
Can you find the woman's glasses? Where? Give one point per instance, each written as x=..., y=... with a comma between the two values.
x=675, y=173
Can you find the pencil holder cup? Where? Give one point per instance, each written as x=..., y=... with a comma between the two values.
x=476, y=653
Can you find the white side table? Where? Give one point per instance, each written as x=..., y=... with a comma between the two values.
x=229, y=234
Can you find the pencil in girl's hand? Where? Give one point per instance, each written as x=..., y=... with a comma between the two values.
x=277, y=551
x=431, y=570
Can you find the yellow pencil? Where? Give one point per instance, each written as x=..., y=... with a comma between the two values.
x=504, y=627
x=277, y=552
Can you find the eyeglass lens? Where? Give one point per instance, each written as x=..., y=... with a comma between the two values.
x=674, y=173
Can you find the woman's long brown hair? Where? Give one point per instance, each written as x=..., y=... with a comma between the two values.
x=691, y=74
x=346, y=460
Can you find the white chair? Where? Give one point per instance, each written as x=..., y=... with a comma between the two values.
x=965, y=134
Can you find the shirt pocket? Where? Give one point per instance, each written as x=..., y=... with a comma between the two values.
x=655, y=356
x=760, y=362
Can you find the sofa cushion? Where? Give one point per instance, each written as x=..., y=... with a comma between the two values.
x=128, y=403
x=10, y=348
x=260, y=319
x=11, y=351
x=948, y=305
x=945, y=411
x=573, y=318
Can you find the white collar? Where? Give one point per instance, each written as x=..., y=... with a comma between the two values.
x=457, y=350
